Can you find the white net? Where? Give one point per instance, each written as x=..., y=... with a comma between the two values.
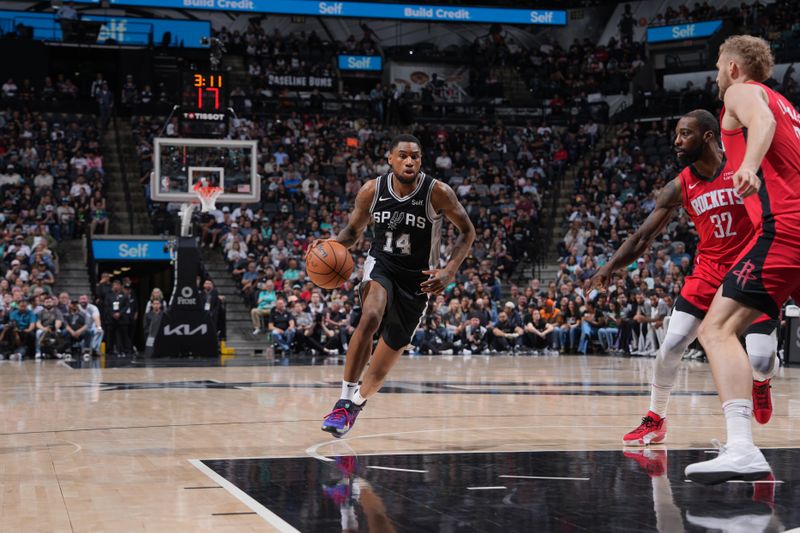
x=208, y=196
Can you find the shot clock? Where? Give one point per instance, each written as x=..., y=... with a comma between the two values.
x=203, y=96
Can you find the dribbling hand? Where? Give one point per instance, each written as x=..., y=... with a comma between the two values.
x=315, y=243
x=746, y=182
x=439, y=279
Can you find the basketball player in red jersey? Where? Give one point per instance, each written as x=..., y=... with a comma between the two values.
x=761, y=134
x=705, y=190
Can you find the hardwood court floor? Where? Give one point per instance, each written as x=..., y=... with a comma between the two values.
x=109, y=449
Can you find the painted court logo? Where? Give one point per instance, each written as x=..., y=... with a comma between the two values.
x=745, y=274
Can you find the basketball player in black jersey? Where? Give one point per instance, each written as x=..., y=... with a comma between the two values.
x=407, y=208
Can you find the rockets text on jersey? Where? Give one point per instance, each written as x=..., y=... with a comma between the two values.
x=718, y=213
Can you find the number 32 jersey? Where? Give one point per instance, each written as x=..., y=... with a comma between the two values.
x=718, y=213
x=406, y=229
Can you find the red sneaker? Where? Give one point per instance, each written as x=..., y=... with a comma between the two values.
x=654, y=462
x=652, y=430
x=764, y=490
x=762, y=401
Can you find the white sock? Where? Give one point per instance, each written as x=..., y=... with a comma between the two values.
x=357, y=398
x=348, y=388
x=738, y=414
x=659, y=398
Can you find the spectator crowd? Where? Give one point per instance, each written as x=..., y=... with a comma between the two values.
x=312, y=166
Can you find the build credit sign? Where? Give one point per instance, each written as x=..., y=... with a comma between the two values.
x=411, y=12
x=130, y=250
x=681, y=32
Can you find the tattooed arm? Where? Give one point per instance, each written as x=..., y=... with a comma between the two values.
x=668, y=201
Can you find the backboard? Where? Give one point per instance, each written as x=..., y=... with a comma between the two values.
x=180, y=163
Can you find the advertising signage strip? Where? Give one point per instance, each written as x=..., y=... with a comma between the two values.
x=682, y=32
x=411, y=12
x=360, y=63
x=124, y=30
x=129, y=250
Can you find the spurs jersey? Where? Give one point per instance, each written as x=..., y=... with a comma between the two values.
x=406, y=229
x=718, y=213
x=777, y=204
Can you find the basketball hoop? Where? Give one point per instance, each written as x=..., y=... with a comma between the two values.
x=207, y=194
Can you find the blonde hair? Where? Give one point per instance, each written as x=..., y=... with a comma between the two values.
x=754, y=54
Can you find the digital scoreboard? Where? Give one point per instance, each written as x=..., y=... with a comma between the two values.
x=204, y=96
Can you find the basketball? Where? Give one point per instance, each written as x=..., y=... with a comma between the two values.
x=329, y=264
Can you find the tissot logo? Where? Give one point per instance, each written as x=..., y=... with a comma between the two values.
x=185, y=330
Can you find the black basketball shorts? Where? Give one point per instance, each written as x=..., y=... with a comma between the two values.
x=405, y=303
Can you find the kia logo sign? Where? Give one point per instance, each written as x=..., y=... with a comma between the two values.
x=185, y=330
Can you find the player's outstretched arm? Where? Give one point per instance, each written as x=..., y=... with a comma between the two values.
x=668, y=200
x=748, y=104
x=445, y=201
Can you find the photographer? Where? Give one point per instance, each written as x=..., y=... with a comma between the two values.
x=48, y=325
x=311, y=330
x=336, y=321
x=538, y=334
x=505, y=333
x=474, y=337
x=77, y=326
x=434, y=337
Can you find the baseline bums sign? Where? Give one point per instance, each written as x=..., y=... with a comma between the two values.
x=413, y=12
x=130, y=250
x=681, y=32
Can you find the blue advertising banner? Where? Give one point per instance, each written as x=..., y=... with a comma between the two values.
x=412, y=12
x=360, y=62
x=124, y=250
x=123, y=30
x=680, y=32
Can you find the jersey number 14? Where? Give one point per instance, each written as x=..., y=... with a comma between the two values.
x=403, y=243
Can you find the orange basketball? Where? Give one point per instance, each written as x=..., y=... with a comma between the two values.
x=329, y=264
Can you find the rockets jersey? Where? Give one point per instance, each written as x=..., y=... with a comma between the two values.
x=718, y=213
x=406, y=229
x=776, y=207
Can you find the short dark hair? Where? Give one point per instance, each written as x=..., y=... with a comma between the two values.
x=403, y=138
x=706, y=121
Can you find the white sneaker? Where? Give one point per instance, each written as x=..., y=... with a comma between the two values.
x=743, y=517
x=735, y=461
x=38, y=355
x=256, y=331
